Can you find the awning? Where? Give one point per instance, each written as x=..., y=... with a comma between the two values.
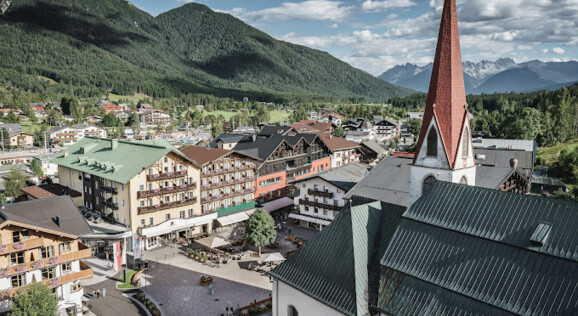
x=309, y=219
x=178, y=224
x=277, y=204
x=212, y=242
x=233, y=218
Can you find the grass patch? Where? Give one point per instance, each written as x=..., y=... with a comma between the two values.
x=126, y=283
x=30, y=128
x=276, y=115
x=227, y=114
x=550, y=154
x=131, y=98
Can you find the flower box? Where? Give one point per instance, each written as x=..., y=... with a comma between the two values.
x=53, y=260
x=4, y=272
x=170, y=188
x=54, y=283
x=3, y=248
x=4, y=295
x=20, y=268
x=156, y=190
x=18, y=245
x=37, y=264
x=155, y=175
x=183, y=186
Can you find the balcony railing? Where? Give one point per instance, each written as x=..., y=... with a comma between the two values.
x=84, y=273
x=228, y=182
x=110, y=204
x=167, y=175
x=227, y=195
x=167, y=190
x=108, y=189
x=164, y=206
x=22, y=245
x=320, y=205
x=82, y=253
x=320, y=193
x=227, y=170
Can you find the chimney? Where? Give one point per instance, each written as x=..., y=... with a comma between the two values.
x=56, y=220
x=65, y=153
x=514, y=163
x=113, y=143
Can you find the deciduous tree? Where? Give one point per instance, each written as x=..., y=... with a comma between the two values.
x=34, y=300
x=260, y=229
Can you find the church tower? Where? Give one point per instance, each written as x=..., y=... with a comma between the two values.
x=444, y=150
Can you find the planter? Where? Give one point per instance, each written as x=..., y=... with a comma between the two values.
x=3, y=248
x=4, y=272
x=20, y=268
x=4, y=295
x=54, y=283
x=53, y=260
x=18, y=245
x=37, y=264
x=206, y=280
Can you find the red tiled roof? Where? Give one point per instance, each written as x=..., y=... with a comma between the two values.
x=337, y=143
x=37, y=192
x=312, y=126
x=203, y=155
x=446, y=101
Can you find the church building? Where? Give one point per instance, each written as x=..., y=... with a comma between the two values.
x=455, y=249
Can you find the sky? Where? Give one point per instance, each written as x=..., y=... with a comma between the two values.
x=377, y=35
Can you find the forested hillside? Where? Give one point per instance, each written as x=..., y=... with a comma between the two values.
x=88, y=48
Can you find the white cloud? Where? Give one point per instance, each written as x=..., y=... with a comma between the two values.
x=545, y=51
x=317, y=10
x=558, y=50
x=385, y=5
x=334, y=26
x=185, y=1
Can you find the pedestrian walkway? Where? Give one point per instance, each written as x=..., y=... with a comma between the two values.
x=113, y=303
x=100, y=269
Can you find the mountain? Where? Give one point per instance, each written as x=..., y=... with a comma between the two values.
x=502, y=75
x=91, y=47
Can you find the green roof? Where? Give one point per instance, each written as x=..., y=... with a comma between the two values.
x=96, y=156
x=340, y=266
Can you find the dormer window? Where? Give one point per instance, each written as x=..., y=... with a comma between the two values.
x=432, y=142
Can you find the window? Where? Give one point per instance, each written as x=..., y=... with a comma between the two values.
x=46, y=252
x=66, y=267
x=168, y=216
x=141, y=187
x=65, y=247
x=48, y=273
x=190, y=212
x=17, y=258
x=324, y=212
x=428, y=183
x=122, y=202
x=18, y=280
x=466, y=143
x=142, y=203
x=432, y=142
x=167, y=199
x=166, y=159
x=142, y=222
x=122, y=187
x=463, y=180
x=182, y=214
x=316, y=210
x=151, y=221
x=19, y=235
x=292, y=311
x=75, y=287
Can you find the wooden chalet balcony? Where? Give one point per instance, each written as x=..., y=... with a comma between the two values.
x=108, y=189
x=84, y=273
x=167, y=175
x=164, y=206
x=228, y=170
x=228, y=182
x=161, y=191
x=320, y=193
x=228, y=195
x=64, y=139
x=320, y=205
x=22, y=245
x=110, y=204
x=82, y=253
x=287, y=156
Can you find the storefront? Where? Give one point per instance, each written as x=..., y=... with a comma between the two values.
x=176, y=228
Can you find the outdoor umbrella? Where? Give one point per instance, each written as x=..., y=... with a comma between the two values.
x=212, y=242
x=272, y=257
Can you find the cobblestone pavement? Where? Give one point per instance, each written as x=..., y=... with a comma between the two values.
x=100, y=269
x=178, y=292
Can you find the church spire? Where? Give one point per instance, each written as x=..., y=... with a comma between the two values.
x=444, y=150
x=446, y=100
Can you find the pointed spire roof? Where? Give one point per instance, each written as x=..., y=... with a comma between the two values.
x=446, y=100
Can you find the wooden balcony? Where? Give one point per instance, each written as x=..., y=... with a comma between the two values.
x=161, y=191
x=166, y=176
x=228, y=170
x=164, y=206
x=84, y=273
x=23, y=245
x=108, y=189
x=110, y=204
x=320, y=193
x=82, y=253
x=320, y=205
x=228, y=182
x=228, y=195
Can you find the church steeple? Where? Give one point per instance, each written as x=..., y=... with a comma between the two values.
x=444, y=147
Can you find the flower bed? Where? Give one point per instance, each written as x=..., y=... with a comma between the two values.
x=257, y=307
x=153, y=309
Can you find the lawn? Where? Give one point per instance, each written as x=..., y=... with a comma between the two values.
x=126, y=283
x=131, y=98
x=276, y=116
x=550, y=154
x=29, y=127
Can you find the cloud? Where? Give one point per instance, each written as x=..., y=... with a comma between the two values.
x=558, y=50
x=385, y=5
x=316, y=10
x=334, y=26
x=185, y=1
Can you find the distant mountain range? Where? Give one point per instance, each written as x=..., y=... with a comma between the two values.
x=91, y=47
x=502, y=75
